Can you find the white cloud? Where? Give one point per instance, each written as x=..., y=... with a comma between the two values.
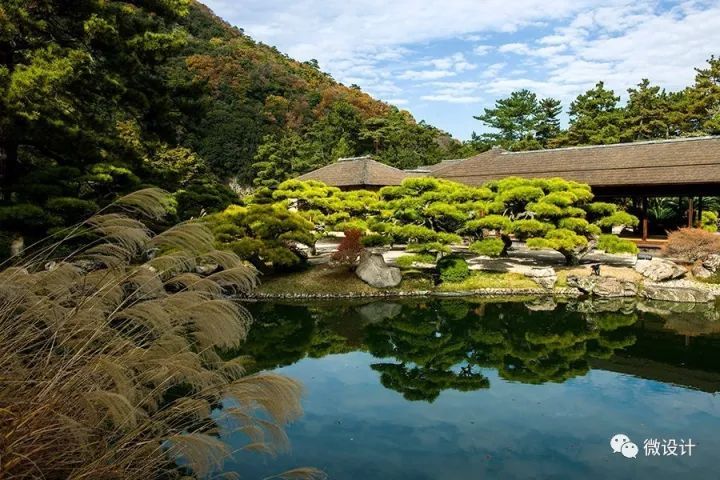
x=397, y=101
x=425, y=74
x=330, y=30
x=482, y=50
x=455, y=62
x=519, y=48
x=450, y=98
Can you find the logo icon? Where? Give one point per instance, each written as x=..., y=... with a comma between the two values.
x=620, y=443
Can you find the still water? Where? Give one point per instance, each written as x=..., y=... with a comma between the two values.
x=470, y=389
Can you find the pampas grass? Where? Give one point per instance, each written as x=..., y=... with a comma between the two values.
x=108, y=362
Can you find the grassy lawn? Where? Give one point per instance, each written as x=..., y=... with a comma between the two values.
x=479, y=280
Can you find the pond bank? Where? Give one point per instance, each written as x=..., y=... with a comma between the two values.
x=325, y=282
x=489, y=292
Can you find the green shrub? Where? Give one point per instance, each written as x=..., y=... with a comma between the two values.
x=709, y=221
x=615, y=244
x=453, y=269
x=407, y=261
x=492, y=247
x=375, y=240
x=429, y=248
x=530, y=228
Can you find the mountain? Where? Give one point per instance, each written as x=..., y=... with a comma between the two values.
x=100, y=98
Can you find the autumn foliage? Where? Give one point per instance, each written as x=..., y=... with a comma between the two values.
x=692, y=244
x=350, y=248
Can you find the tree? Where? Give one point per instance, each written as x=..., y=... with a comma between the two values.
x=523, y=121
x=276, y=158
x=547, y=124
x=81, y=104
x=268, y=236
x=595, y=118
x=647, y=112
x=702, y=100
x=515, y=118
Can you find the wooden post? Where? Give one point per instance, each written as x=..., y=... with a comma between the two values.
x=644, y=217
x=690, y=211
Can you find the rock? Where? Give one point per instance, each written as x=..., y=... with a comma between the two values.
x=379, y=311
x=542, y=305
x=700, y=271
x=206, y=268
x=603, y=286
x=712, y=263
x=375, y=272
x=546, y=277
x=677, y=294
x=659, y=270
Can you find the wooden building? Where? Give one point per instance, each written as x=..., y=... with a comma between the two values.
x=686, y=167
x=357, y=173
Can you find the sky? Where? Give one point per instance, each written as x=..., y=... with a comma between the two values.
x=446, y=61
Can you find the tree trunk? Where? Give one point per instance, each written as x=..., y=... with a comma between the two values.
x=507, y=242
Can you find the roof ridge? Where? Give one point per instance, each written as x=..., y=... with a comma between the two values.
x=364, y=176
x=611, y=145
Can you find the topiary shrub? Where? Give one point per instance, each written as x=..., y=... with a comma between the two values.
x=375, y=240
x=491, y=247
x=407, y=261
x=615, y=244
x=692, y=244
x=453, y=269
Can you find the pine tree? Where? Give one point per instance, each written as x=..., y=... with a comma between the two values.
x=702, y=107
x=647, y=112
x=515, y=119
x=547, y=124
x=596, y=118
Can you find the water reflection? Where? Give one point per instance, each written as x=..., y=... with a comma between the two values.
x=430, y=346
x=456, y=389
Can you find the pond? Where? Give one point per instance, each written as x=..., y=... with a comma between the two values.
x=458, y=389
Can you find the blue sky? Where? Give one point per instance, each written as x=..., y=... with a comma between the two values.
x=445, y=61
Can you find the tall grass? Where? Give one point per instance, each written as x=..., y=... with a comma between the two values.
x=108, y=354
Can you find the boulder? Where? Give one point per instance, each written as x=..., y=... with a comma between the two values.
x=700, y=271
x=546, y=277
x=603, y=286
x=677, y=294
x=373, y=270
x=712, y=263
x=659, y=270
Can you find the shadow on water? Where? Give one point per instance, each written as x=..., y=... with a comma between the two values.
x=453, y=388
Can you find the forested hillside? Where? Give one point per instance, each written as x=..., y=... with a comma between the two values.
x=261, y=106
x=101, y=98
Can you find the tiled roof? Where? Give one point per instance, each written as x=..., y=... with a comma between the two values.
x=665, y=162
x=356, y=171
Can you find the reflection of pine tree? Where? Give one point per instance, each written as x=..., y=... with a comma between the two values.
x=440, y=345
x=428, y=343
x=417, y=383
x=284, y=334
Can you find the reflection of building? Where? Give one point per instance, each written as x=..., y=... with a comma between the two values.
x=664, y=354
x=688, y=167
